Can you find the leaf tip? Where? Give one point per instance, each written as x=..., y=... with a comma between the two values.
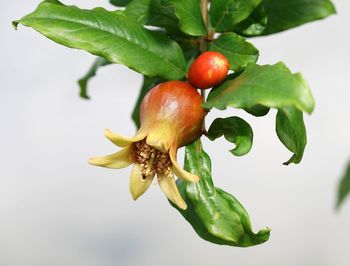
x=235, y=151
x=83, y=89
x=85, y=97
x=15, y=24
x=311, y=107
x=333, y=9
x=291, y=160
x=263, y=235
x=287, y=163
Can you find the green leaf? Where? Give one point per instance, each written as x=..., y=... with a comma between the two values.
x=111, y=35
x=120, y=2
x=99, y=62
x=291, y=131
x=238, y=51
x=225, y=14
x=255, y=24
x=269, y=85
x=190, y=17
x=235, y=130
x=148, y=83
x=190, y=50
x=344, y=187
x=154, y=13
x=258, y=110
x=285, y=14
x=214, y=214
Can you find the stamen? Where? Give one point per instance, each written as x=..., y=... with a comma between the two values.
x=152, y=161
x=150, y=164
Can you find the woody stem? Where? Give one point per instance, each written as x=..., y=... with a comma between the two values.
x=203, y=43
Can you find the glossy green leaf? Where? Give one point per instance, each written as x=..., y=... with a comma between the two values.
x=291, y=131
x=238, y=51
x=83, y=82
x=285, y=14
x=344, y=186
x=225, y=14
x=120, y=2
x=235, y=130
x=111, y=35
x=190, y=17
x=214, y=214
x=154, y=13
x=269, y=85
x=256, y=110
x=148, y=83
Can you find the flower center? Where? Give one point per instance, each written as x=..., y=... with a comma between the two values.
x=151, y=160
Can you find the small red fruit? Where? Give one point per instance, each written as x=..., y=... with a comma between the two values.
x=208, y=70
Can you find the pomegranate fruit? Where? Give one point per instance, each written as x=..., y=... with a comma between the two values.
x=171, y=117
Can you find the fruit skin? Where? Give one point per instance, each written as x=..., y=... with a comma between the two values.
x=174, y=108
x=208, y=70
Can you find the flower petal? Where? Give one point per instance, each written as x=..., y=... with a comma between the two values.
x=178, y=170
x=122, y=141
x=139, y=184
x=168, y=186
x=161, y=135
x=160, y=140
x=117, y=160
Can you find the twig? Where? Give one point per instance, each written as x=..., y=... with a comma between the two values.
x=203, y=45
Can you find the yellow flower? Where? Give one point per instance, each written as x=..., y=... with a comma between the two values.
x=171, y=117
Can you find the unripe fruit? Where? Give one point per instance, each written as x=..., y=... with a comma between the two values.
x=208, y=70
x=171, y=117
x=177, y=105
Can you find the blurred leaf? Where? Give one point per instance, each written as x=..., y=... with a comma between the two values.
x=190, y=17
x=291, y=131
x=99, y=62
x=214, y=214
x=111, y=35
x=344, y=187
x=285, y=14
x=269, y=85
x=148, y=83
x=255, y=24
x=225, y=14
x=154, y=13
x=258, y=110
x=235, y=130
x=120, y=2
x=238, y=51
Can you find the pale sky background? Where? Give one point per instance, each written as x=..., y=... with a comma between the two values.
x=56, y=210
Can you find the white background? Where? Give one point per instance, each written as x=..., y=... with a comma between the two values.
x=55, y=209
